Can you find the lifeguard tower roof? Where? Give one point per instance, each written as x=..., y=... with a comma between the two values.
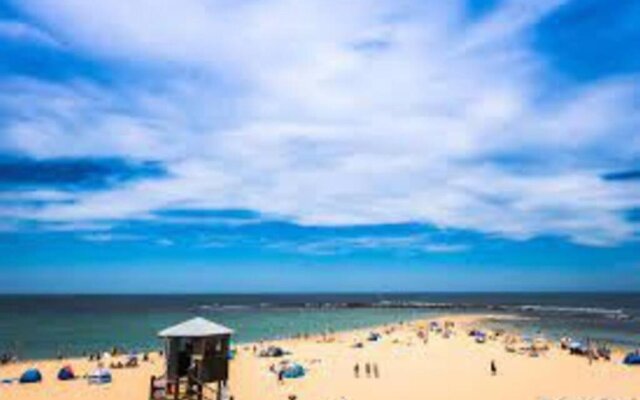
x=196, y=327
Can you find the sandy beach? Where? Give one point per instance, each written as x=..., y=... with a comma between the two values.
x=408, y=368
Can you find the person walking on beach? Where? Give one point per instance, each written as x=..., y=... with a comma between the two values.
x=376, y=373
x=367, y=370
x=494, y=369
x=356, y=370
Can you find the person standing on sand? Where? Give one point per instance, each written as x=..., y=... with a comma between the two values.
x=376, y=373
x=367, y=370
x=356, y=370
x=494, y=369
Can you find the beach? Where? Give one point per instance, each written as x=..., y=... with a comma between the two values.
x=453, y=367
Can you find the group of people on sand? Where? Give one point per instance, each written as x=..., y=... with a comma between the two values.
x=114, y=352
x=131, y=362
x=7, y=358
x=370, y=370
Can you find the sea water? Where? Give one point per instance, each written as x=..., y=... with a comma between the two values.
x=44, y=326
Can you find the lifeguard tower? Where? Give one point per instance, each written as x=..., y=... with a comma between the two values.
x=196, y=354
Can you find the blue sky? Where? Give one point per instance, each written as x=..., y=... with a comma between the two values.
x=280, y=145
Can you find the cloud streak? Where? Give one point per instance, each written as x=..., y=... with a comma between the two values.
x=19, y=31
x=343, y=244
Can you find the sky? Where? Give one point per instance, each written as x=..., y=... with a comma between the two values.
x=319, y=145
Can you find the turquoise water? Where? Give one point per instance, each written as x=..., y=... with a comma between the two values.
x=42, y=326
x=43, y=334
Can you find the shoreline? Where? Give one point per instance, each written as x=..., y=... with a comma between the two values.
x=491, y=320
x=76, y=325
x=478, y=320
x=330, y=357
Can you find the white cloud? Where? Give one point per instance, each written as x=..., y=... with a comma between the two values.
x=165, y=242
x=412, y=244
x=273, y=106
x=111, y=237
x=16, y=30
x=445, y=248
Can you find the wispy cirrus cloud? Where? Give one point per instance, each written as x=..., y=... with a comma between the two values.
x=335, y=113
x=340, y=244
x=419, y=244
x=20, y=31
x=111, y=237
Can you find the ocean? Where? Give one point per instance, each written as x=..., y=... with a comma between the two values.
x=41, y=326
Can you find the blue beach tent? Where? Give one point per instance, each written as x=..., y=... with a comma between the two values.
x=293, y=371
x=632, y=359
x=66, y=373
x=31, y=376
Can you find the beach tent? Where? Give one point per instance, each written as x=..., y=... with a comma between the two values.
x=31, y=376
x=574, y=345
x=272, y=351
x=632, y=359
x=373, y=337
x=66, y=373
x=100, y=376
x=578, y=348
x=293, y=371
